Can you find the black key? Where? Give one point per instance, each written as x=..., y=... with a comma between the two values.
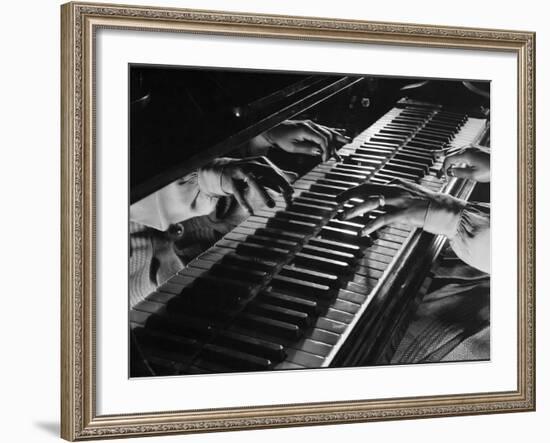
x=165, y=345
x=299, y=287
x=234, y=358
x=344, y=235
x=292, y=225
x=390, y=172
x=337, y=267
x=337, y=183
x=346, y=178
x=319, y=196
x=239, y=273
x=298, y=216
x=329, y=253
x=273, y=242
x=179, y=325
x=215, y=307
x=269, y=326
x=280, y=313
x=279, y=233
x=310, y=275
x=308, y=306
x=328, y=189
x=408, y=168
x=229, y=287
x=250, y=262
x=349, y=248
x=254, y=250
x=305, y=207
x=423, y=160
x=251, y=345
x=346, y=225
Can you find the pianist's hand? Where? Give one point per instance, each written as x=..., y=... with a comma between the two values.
x=252, y=181
x=306, y=137
x=473, y=162
x=404, y=203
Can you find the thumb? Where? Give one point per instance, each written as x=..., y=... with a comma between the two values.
x=461, y=172
x=290, y=176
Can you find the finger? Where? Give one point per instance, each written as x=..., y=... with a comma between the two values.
x=453, y=160
x=338, y=135
x=261, y=191
x=322, y=129
x=341, y=138
x=332, y=129
x=368, y=205
x=311, y=134
x=332, y=141
x=336, y=156
x=461, y=172
x=400, y=217
x=238, y=193
x=306, y=147
x=290, y=176
x=449, y=151
x=335, y=139
x=287, y=197
x=272, y=178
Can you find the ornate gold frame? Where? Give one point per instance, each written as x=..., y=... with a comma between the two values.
x=78, y=417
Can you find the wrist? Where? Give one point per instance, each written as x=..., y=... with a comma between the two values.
x=262, y=141
x=443, y=215
x=210, y=178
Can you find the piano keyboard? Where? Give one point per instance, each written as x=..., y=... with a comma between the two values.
x=287, y=287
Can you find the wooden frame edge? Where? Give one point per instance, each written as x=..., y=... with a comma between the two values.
x=78, y=420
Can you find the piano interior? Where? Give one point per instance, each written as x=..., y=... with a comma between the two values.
x=293, y=286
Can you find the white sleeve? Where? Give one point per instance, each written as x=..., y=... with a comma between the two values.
x=472, y=241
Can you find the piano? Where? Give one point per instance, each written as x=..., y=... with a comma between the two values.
x=295, y=287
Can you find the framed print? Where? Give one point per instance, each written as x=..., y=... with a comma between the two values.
x=281, y=221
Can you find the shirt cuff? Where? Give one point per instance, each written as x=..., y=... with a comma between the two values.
x=443, y=215
x=209, y=178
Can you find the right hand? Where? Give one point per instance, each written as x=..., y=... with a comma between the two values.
x=252, y=181
x=472, y=162
x=404, y=203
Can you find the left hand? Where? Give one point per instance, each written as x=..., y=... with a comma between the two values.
x=306, y=137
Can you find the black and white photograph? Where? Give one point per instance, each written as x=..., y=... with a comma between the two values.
x=302, y=220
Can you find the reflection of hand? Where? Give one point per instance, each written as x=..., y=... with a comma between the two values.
x=306, y=137
x=472, y=162
x=405, y=203
x=249, y=180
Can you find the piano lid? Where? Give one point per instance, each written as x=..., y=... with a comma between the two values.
x=181, y=118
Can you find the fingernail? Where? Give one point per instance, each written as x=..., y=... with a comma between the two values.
x=366, y=231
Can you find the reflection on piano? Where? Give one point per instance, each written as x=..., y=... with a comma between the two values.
x=293, y=286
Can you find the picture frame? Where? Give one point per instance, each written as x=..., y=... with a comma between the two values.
x=80, y=243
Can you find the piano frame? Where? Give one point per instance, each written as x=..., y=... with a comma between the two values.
x=79, y=417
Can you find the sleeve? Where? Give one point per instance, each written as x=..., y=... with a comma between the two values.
x=191, y=196
x=257, y=146
x=466, y=224
x=472, y=241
